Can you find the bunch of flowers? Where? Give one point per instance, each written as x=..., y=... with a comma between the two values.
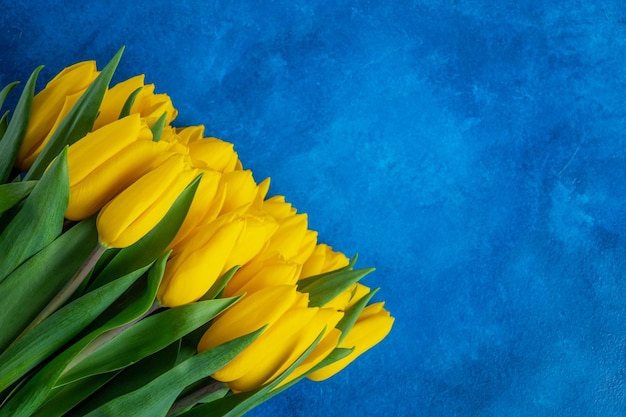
x=144, y=272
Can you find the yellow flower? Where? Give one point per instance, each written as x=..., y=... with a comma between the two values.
x=190, y=134
x=205, y=206
x=372, y=326
x=349, y=297
x=199, y=259
x=323, y=259
x=147, y=104
x=140, y=207
x=293, y=240
x=263, y=272
x=213, y=153
x=106, y=161
x=292, y=328
x=239, y=190
x=50, y=106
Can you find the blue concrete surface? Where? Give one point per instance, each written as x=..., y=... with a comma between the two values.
x=474, y=152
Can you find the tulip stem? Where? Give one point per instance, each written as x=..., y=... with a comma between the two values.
x=68, y=289
x=194, y=397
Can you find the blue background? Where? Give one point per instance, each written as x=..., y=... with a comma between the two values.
x=473, y=151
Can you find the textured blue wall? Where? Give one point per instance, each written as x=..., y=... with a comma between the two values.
x=473, y=152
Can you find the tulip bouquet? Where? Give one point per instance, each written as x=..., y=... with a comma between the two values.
x=144, y=272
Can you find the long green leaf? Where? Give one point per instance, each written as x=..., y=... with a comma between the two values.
x=147, y=337
x=148, y=248
x=40, y=219
x=4, y=123
x=36, y=345
x=29, y=288
x=63, y=399
x=39, y=387
x=14, y=135
x=13, y=193
x=78, y=122
x=330, y=285
x=352, y=314
x=130, y=379
x=155, y=399
x=6, y=91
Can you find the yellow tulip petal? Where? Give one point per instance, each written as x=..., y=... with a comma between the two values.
x=251, y=313
x=365, y=334
x=190, y=274
x=111, y=178
x=135, y=211
x=115, y=98
x=48, y=103
x=213, y=153
x=191, y=133
x=259, y=274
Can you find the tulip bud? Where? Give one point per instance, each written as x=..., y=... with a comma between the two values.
x=291, y=328
x=293, y=240
x=262, y=272
x=190, y=133
x=106, y=161
x=140, y=207
x=373, y=324
x=148, y=105
x=213, y=153
x=323, y=259
x=50, y=106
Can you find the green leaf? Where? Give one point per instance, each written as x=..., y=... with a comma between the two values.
x=128, y=105
x=146, y=250
x=62, y=399
x=58, y=329
x=157, y=127
x=14, y=135
x=28, y=289
x=155, y=398
x=4, y=123
x=130, y=379
x=323, y=288
x=39, y=221
x=219, y=285
x=13, y=193
x=147, y=337
x=6, y=91
x=352, y=314
x=78, y=122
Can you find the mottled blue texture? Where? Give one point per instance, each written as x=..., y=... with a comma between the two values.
x=473, y=152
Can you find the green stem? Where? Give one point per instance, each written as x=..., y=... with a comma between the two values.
x=68, y=289
x=194, y=397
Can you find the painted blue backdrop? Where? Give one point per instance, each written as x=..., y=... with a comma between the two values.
x=474, y=152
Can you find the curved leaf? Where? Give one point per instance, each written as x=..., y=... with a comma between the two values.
x=40, y=219
x=14, y=135
x=13, y=193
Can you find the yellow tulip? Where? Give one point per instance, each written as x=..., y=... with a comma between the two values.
x=207, y=252
x=240, y=190
x=136, y=210
x=214, y=153
x=263, y=272
x=106, y=161
x=371, y=327
x=205, y=205
x=148, y=105
x=190, y=133
x=292, y=328
x=323, y=259
x=278, y=208
x=50, y=106
x=293, y=240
